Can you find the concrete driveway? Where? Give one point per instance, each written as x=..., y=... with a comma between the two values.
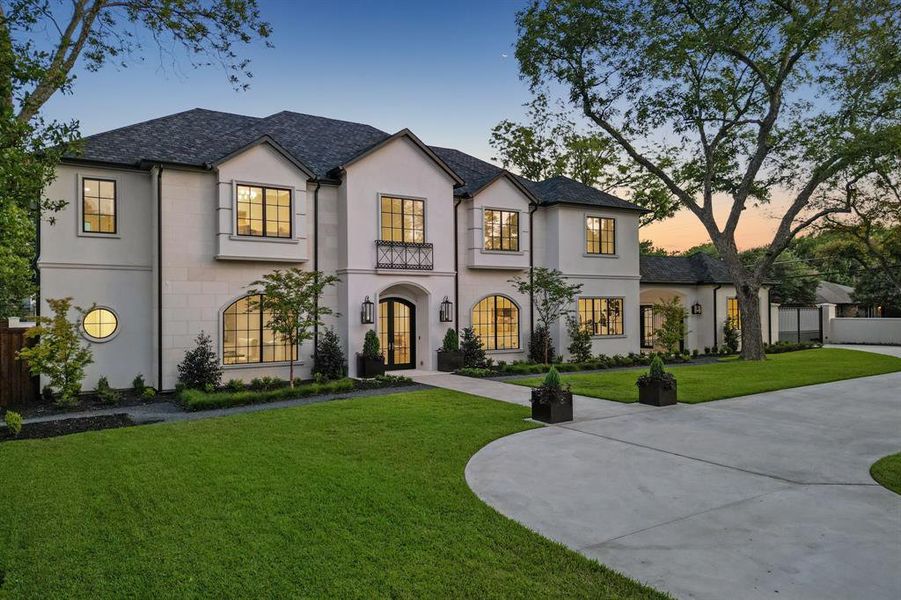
x=765, y=496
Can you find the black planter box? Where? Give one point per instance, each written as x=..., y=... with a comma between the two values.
x=654, y=394
x=449, y=362
x=552, y=407
x=370, y=367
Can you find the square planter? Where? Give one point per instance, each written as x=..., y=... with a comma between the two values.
x=370, y=367
x=552, y=407
x=449, y=362
x=654, y=394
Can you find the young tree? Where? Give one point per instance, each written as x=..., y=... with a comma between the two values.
x=290, y=299
x=330, y=361
x=715, y=100
x=552, y=297
x=473, y=351
x=579, y=339
x=199, y=369
x=672, y=329
x=87, y=34
x=58, y=353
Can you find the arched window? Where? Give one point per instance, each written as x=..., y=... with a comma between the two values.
x=247, y=339
x=496, y=320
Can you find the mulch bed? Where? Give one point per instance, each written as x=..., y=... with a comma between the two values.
x=46, y=429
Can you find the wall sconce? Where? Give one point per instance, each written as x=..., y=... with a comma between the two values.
x=446, y=313
x=696, y=308
x=367, y=313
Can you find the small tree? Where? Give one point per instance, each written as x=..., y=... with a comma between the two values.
x=730, y=336
x=330, y=360
x=200, y=369
x=451, y=342
x=291, y=299
x=58, y=354
x=672, y=330
x=371, y=346
x=579, y=339
x=541, y=346
x=473, y=352
x=551, y=297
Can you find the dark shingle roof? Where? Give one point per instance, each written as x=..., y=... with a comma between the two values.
x=834, y=293
x=694, y=269
x=200, y=137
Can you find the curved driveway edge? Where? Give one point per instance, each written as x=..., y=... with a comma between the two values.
x=766, y=496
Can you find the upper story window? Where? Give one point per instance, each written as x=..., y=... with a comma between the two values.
x=403, y=220
x=496, y=321
x=600, y=235
x=247, y=338
x=601, y=316
x=733, y=314
x=501, y=230
x=264, y=211
x=98, y=208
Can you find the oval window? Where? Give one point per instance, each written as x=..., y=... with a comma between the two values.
x=100, y=323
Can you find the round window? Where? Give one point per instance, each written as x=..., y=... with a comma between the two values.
x=100, y=323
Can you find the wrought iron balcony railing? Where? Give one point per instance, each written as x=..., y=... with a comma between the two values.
x=403, y=255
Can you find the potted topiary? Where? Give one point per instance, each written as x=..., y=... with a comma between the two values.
x=550, y=402
x=657, y=387
x=371, y=362
x=450, y=357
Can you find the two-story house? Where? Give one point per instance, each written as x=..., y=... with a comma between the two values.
x=168, y=222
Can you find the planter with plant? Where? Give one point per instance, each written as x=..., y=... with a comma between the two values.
x=450, y=357
x=551, y=402
x=371, y=362
x=657, y=387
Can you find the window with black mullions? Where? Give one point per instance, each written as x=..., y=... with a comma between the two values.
x=263, y=211
x=501, y=230
x=601, y=316
x=98, y=205
x=600, y=235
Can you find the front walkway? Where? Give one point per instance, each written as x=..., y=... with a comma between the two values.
x=766, y=496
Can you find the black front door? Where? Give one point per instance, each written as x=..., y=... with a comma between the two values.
x=397, y=333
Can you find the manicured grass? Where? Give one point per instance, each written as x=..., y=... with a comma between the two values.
x=887, y=472
x=356, y=498
x=732, y=377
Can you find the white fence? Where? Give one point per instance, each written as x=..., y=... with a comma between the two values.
x=843, y=330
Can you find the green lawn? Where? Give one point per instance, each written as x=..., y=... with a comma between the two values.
x=732, y=377
x=356, y=498
x=887, y=472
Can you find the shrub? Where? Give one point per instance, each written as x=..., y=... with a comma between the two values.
x=371, y=347
x=695, y=353
x=13, y=422
x=235, y=385
x=149, y=393
x=706, y=349
x=138, y=385
x=730, y=337
x=330, y=362
x=473, y=352
x=382, y=381
x=200, y=368
x=538, y=341
x=194, y=399
x=672, y=329
x=551, y=380
x=657, y=374
x=780, y=347
x=106, y=394
x=58, y=352
x=451, y=341
x=474, y=372
x=265, y=384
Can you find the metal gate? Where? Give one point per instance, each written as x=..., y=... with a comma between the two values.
x=800, y=324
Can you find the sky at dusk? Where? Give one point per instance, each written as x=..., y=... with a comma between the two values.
x=443, y=69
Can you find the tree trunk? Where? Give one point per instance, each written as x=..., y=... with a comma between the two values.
x=751, y=327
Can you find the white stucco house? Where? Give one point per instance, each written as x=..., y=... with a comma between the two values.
x=168, y=221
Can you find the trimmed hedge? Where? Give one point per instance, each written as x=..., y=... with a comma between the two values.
x=599, y=363
x=780, y=347
x=194, y=400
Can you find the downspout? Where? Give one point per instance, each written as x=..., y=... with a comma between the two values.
x=159, y=277
x=714, y=314
x=316, y=268
x=35, y=269
x=457, y=203
x=531, y=271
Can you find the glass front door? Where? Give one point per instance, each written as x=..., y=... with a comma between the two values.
x=397, y=333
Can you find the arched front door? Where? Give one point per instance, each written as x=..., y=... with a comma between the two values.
x=397, y=333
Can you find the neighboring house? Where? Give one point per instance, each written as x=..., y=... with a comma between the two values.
x=168, y=221
x=842, y=296
x=703, y=285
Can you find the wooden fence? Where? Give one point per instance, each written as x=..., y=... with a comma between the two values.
x=17, y=386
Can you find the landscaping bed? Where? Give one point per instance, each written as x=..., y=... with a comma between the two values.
x=46, y=429
x=360, y=498
x=731, y=377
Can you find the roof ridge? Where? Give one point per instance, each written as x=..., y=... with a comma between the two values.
x=165, y=117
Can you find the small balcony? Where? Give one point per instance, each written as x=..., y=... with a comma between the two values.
x=404, y=255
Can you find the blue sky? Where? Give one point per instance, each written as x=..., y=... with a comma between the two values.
x=435, y=67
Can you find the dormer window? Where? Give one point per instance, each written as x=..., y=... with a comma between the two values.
x=263, y=211
x=600, y=235
x=501, y=230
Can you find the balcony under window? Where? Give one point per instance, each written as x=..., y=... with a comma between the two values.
x=404, y=255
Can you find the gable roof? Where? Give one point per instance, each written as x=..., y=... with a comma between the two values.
x=834, y=293
x=696, y=269
x=321, y=147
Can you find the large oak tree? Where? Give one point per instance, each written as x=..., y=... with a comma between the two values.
x=734, y=102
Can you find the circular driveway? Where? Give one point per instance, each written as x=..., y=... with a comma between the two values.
x=765, y=496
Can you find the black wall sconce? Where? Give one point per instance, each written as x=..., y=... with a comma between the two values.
x=446, y=313
x=367, y=312
x=696, y=308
